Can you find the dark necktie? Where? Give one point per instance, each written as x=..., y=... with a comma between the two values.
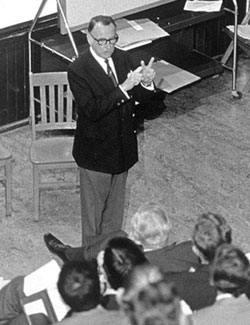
x=111, y=73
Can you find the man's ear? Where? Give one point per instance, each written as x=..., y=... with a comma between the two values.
x=89, y=39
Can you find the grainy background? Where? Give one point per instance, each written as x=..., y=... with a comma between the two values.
x=194, y=158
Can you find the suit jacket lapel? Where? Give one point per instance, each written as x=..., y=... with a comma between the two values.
x=119, y=67
x=97, y=70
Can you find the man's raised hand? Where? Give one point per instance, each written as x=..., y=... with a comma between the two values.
x=148, y=72
x=133, y=79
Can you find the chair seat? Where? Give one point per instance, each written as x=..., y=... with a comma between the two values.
x=52, y=150
x=4, y=153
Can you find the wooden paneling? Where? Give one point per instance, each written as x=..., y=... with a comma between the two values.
x=3, y=87
x=210, y=38
x=13, y=80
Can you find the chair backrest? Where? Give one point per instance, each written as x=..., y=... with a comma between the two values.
x=51, y=102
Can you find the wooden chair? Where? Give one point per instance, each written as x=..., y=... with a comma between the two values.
x=52, y=113
x=5, y=162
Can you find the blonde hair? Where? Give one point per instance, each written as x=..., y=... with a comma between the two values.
x=150, y=226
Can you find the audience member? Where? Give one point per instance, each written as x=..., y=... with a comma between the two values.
x=79, y=287
x=11, y=309
x=148, y=299
x=211, y=230
x=120, y=256
x=150, y=227
x=115, y=264
x=230, y=275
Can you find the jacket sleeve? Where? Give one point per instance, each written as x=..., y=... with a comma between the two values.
x=91, y=101
x=141, y=94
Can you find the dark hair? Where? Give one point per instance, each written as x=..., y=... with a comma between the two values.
x=79, y=286
x=211, y=230
x=154, y=304
x=230, y=270
x=104, y=20
x=120, y=256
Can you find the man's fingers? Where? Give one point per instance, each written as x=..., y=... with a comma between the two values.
x=139, y=69
x=142, y=64
x=151, y=62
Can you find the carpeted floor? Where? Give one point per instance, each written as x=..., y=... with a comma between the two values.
x=194, y=158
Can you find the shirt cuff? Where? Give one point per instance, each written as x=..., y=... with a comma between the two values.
x=124, y=91
x=148, y=87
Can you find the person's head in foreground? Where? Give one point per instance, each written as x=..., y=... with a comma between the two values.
x=210, y=231
x=102, y=35
x=79, y=286
x=148, y=300
x=230, y=271
x=150, y=226
x=120, y=257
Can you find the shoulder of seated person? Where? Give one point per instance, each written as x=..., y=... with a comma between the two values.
x=109, y=302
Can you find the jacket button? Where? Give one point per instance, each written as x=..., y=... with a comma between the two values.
x=122, y=100
x=133, y=114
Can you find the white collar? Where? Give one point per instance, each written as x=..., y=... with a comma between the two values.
x=97, y=57
x=102, y=63
x=221, y=296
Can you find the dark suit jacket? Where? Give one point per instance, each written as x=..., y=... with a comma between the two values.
x=174, y=258
x=105, y=138
x=194, y=287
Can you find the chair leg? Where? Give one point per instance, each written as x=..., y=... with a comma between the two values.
x=227, y=54
x=36, y=191
x=8, y=188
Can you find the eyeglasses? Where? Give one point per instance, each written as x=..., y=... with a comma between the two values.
x=104, y=41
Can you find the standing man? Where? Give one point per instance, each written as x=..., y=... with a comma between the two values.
x=105, y=86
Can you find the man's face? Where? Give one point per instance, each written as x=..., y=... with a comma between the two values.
x=101, y=32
